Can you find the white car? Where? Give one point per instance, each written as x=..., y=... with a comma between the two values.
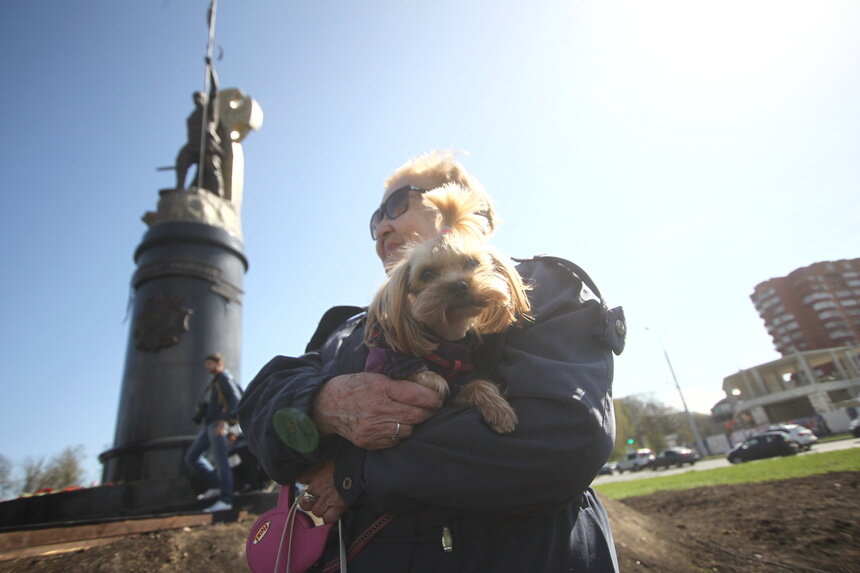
x=800, y=434
x=636, y=461
x=854, y=427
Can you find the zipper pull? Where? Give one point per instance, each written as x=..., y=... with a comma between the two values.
x=447, y=540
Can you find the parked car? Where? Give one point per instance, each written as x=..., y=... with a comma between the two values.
x=854, y=427
x=763, y=446
x=804, y=437
x=635, y=461
x=608, y=469
x=676, y=456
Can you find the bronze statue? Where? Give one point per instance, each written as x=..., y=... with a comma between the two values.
x=221, y=119
x=211, y=140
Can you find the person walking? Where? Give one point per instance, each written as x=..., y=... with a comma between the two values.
x=216, y=413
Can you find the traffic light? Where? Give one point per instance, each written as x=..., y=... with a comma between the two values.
x=630, y=441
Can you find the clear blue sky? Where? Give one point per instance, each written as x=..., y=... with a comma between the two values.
x=681, y=153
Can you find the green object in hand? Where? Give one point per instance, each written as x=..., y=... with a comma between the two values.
x=296, y=430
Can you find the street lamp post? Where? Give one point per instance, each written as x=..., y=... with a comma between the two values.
x=703, y=447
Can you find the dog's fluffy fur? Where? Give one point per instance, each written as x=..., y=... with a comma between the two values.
x=446, y=288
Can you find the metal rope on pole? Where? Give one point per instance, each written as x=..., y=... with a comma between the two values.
x=204, y=121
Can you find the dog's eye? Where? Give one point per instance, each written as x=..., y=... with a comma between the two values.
x=472, y=264
x=428, y=275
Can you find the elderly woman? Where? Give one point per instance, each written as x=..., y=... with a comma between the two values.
x=456, y=496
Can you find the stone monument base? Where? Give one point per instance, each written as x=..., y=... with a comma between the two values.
x=112, y=502
x=197, y=205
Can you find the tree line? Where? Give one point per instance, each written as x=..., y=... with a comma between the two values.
x=650, y=424
x=59, y=472
x=641, y=418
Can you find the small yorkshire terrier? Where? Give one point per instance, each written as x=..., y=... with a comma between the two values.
x=441, y=291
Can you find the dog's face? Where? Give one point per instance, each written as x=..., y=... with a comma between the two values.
x=450, y=285
x=445, y=288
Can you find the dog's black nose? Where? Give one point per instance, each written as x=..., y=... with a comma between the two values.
x=458, y=289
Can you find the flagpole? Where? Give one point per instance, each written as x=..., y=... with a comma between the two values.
x=204, y=121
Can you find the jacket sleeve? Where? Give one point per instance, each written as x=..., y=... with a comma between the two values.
x=275, y=416
x=229, y=390
x=275, y=410
x=557, y=372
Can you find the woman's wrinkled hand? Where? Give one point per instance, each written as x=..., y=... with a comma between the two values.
x=325, y=501
x=371, y=410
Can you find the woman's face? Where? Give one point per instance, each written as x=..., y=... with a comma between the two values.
x=418, y=223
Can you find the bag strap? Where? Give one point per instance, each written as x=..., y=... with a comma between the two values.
x=612, y=326
x=360, y=543
x=288, y=526
x=222, y=401
x=572, y=268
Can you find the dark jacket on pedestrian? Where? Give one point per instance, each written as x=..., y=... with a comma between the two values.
x=223, y=400
x=464, y=498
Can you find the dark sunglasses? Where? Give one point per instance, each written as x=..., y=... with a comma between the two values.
x=393, y=207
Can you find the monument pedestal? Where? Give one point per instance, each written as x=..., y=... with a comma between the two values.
x=117, y=502
x=186, y=304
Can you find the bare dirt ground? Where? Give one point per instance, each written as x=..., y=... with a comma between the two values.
x=804, y=525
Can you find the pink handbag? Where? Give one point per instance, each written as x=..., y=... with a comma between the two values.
x=284, y=539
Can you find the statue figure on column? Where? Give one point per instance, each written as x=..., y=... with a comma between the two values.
x=215, y=195
x=206, y=139
x=215, y=129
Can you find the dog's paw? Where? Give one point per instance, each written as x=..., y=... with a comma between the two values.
x=494, y=409
x=501, y=419
x=431, y=380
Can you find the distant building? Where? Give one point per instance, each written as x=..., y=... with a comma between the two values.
x=804, y=388
x=812, y=308
x=813, y=317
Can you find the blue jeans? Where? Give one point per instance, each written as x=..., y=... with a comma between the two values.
x=199, y=466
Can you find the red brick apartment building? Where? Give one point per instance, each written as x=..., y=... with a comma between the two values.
x=813, y=317
x=812, y=308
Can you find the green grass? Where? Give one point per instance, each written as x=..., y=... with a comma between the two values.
x=835, y=438
x=757, y=471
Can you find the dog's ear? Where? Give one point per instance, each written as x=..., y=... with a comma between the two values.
x=408, y=335
x=375, y=320
x=497, y=318
x=387, y=306
x=389, y=313
x=412, y=336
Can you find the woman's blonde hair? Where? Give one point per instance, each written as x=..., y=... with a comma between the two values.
x=436, y=168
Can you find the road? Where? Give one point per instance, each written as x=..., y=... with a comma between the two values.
x=719, y=463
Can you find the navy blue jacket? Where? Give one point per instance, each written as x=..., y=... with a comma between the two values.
x=224, y=395
x=518, y=502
